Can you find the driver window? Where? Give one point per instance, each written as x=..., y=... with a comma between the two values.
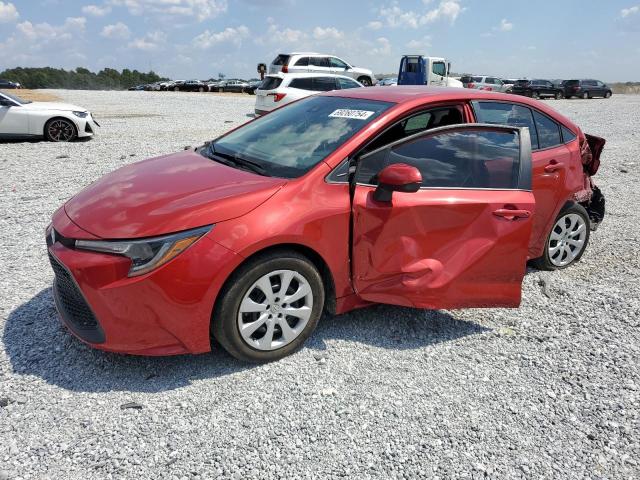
x=439, y=68
x=426, y=120
x=458, y=158
x=337, y=63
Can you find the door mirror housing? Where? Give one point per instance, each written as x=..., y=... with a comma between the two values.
x=398, y=177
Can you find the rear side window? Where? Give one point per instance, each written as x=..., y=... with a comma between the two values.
x=548, y=131
x=567, y=135
x=323, y=84
x=465, y=158
x=506, y=114
x=466, y=79
x=477, y=79
x=522, y=83
x=319, y=61
x=281, y=60
x=270, y=83
x=302, y=62
x=347, y=83
x=302, y=83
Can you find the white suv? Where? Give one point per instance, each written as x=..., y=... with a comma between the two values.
x=309, y=62
x=280, y=89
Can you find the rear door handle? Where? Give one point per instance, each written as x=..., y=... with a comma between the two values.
x=553, y=166
x=510, y=214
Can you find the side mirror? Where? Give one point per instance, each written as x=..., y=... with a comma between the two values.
x=398, y=177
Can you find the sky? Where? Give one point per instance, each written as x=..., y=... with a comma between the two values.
x=184, y=39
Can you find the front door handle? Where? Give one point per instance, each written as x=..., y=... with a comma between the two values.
x=553, y=166
x=510, y=214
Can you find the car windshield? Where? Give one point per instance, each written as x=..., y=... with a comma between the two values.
x=16, y=99
x=290, y=141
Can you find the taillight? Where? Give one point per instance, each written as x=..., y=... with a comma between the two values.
x=285, y=69
x=576, y=88
x=277, y=96
x=471, y=85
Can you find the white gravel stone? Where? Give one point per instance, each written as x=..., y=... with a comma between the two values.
x=549, y=390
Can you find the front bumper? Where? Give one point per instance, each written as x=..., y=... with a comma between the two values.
x=86, y=126
x=166, y=312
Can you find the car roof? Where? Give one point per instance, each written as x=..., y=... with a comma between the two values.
x=305, y=75
x=418, y=94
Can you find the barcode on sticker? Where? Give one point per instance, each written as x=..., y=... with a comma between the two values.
x=354, y=114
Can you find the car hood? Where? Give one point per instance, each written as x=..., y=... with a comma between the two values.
x=167, y=194
x=361, y=70
x=67, y=107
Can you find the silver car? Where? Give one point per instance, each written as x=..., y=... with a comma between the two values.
x=311, y=62
x=491, y=84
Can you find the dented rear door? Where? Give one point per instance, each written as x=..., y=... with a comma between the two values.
x=461, y=240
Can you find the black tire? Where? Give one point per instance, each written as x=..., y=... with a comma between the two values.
x=544, y=262
x=366, y=81
x=558, y=96
x=585, y=95
x=607, y=94
x=60, y=130
x=176, y=89
x=224, y=323
x=201, y=89
x=535, y=94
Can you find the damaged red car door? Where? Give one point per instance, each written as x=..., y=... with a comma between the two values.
x=442, y=219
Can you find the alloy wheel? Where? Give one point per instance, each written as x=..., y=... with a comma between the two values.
x=61, y=131
x=567, y=239
x=275, y=310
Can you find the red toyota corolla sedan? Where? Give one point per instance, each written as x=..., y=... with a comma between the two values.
x=432, y=198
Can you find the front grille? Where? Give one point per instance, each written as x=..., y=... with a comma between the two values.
x=72, y=305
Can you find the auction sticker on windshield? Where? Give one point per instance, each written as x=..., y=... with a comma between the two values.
x=354, y=114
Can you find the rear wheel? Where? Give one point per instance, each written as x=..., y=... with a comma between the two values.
x=607, y=94
x=585, y=95
x=567, y=240
x=201, y=89
x=535, y=94
x=60, y=130
x=269, y=307
x=558, y=95
x=366, y=81
x=176, y=89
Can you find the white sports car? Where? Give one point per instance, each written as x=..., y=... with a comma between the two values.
x=57, y=122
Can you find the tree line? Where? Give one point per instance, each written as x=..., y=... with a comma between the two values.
x=79, y=79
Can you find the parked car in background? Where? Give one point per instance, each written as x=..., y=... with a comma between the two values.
x=537, y=88
x=57, y=122
x=490, y=84
x=234, y=85
x=280, y=89
x=310, y=62
x=153, y=87
x=387, y=82
x=586, y=89
x=192, y=86
x=508, y=83
x=8, y=84
x=136, y=88
x=337, y=201
x=254, y=83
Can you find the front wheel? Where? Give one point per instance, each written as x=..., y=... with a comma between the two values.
x=567, y=240
x=366, y=81
x=558, y=96
x=269, y=307
x=607, y=95
x=60, y=130
x=585, y=95
x=535, y=95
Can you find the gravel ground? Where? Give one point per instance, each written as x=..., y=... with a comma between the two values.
x=550, y=390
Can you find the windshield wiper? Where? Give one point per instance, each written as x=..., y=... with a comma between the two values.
x=234, y=160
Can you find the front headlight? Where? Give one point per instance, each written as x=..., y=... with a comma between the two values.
x=149, y=253
x=81, y=114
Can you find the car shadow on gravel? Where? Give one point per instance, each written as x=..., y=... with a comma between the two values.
x=37, y=344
